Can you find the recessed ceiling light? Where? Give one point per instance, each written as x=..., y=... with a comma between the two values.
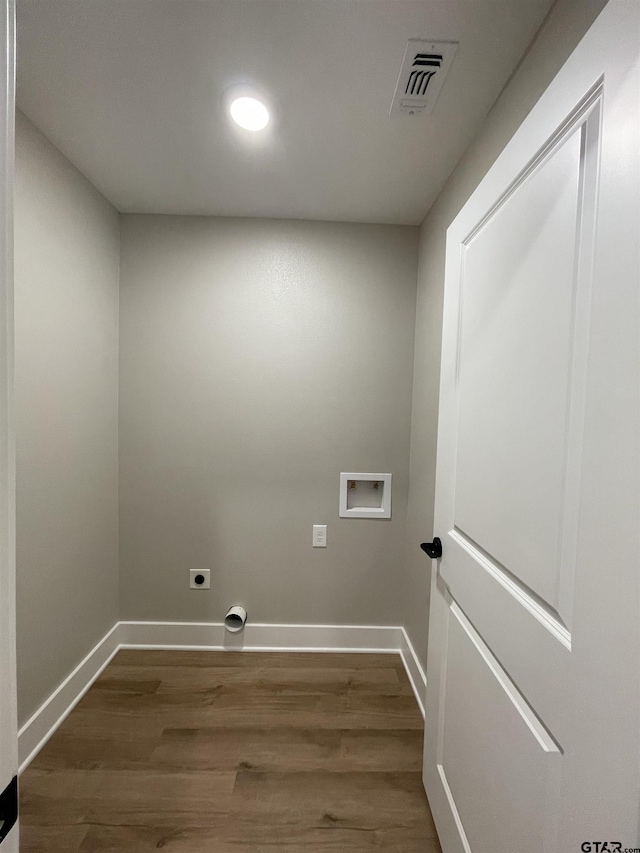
x=249, y=113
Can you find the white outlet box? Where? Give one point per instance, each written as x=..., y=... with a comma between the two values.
x=199, y=578
x=319, y=536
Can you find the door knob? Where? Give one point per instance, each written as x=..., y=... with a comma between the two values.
x=433, y=549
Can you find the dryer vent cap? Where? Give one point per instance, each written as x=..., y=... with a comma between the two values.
x=235, y=619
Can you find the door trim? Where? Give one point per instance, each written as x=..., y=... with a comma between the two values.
x=8, y=709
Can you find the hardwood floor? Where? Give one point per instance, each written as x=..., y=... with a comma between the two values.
x=234, y=752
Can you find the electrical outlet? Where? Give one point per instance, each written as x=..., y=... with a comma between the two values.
x=319, y=536
x=199, y=578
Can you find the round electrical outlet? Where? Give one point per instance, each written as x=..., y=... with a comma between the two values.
x=199, y=579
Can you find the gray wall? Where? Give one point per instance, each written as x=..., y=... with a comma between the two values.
x=559, y=35
x=259, y=358
x=66, y=309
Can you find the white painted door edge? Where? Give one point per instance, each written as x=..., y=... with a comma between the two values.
x=187, y=636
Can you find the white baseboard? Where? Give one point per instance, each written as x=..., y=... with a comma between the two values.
x=207, y=635
x=38, y=729
x=261, y=638
x=415, y=672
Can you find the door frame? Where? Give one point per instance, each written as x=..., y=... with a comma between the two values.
x=8, y=705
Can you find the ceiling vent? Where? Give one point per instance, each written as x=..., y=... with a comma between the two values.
x=424, y=68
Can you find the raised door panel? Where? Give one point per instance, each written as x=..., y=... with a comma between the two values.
x=514, y=375
x=524, y=282
x=498, y=762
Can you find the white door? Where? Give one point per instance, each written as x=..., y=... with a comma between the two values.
x=532, y=736
x=8, y=722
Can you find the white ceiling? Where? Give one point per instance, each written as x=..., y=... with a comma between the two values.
x=131, y=92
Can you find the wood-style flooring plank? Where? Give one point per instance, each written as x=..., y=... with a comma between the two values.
x=238, y=838
x=74, y=750
x=358, y=801
x=217, y=707
x=52, y=839
x=132, y=679
x=253, y=660
x=234, y=752
x=129, y=797
x=277, y=750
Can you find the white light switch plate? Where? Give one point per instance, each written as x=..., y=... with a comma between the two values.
x=319, y=536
